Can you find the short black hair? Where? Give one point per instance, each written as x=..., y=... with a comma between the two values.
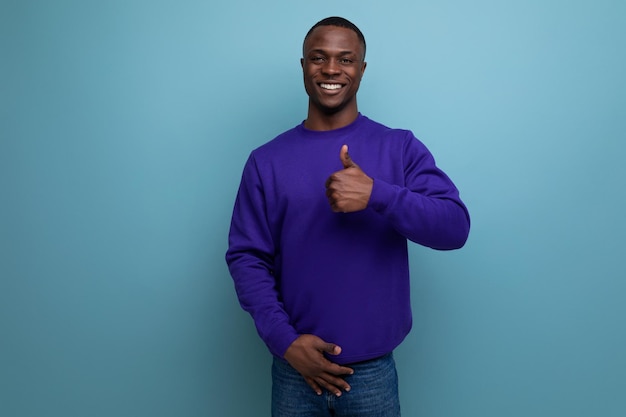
x=340, y=22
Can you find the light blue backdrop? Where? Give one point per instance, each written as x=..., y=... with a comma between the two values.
x=124, y=127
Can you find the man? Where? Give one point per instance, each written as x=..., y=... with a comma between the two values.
x=318, y=239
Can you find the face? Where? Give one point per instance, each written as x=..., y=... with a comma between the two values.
x=333, y=66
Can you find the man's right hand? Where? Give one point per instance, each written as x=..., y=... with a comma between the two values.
x=306, y=355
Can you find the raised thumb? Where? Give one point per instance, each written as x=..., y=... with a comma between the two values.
x=346, y=160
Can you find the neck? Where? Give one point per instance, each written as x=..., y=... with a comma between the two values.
x=318, y=120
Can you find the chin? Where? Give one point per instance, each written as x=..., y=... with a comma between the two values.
x=331, y=108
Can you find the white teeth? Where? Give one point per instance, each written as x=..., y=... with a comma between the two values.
x=330, y=86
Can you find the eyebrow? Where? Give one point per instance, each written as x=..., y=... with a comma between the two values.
x=323, y=51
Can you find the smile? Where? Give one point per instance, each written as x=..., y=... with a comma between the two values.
x=326, y=86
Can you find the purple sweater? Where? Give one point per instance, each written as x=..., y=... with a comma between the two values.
x=299, y=268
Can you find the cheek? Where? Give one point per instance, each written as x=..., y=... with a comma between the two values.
x=309, y=76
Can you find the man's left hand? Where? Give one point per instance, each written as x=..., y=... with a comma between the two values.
x=349, y=189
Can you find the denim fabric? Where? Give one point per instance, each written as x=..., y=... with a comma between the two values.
x=374, y=392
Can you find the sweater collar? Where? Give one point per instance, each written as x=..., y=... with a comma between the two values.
x=324, y=133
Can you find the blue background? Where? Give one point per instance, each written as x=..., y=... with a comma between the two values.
x=124, y=127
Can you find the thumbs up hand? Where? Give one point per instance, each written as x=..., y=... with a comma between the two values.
x=349, y=189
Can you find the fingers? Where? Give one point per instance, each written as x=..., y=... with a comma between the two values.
x=335, y=369
x=320, y=383
x=314, y=385
x=306, y=355
x=332, y=349
x=329, y=382
x=330, y=379
x=332, y=384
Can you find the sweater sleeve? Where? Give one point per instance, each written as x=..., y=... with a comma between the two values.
x=251, y=260
x=426, y=209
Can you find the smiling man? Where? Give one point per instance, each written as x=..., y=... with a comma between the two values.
x=318, y=239
x=333, y=64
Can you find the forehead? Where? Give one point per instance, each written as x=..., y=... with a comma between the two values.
x=333, y=39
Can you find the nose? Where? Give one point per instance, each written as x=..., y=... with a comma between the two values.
x=331, y=66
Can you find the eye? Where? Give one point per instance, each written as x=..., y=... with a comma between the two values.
x=317, y=59
x=345, y=61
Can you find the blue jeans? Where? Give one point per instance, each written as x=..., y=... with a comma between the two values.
x=373, y=393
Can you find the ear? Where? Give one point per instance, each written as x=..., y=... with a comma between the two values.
x=302, y=62
x=363, y=68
